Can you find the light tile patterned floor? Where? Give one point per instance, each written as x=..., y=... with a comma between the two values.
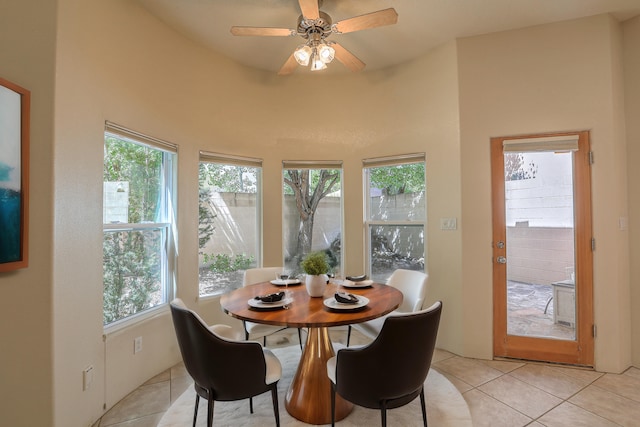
x=499, y=393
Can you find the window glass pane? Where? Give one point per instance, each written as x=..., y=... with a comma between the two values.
x=312, y=215
x=132, y=272
x=394, y=247
x=397, y=193
x=133, y=176
x=138, y=180
x=228, y=234
x=396, y=218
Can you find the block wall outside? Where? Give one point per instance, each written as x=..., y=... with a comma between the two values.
x=539, y=255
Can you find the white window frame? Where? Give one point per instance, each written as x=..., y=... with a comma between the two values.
x=168, y=227
x=228, y=159
x=317, y=164
x=376, y=162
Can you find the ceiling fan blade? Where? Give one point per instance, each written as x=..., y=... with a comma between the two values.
x=347, y=58
x=288, y=66
x=261, y=31
x=309, y=9
x=369, y=20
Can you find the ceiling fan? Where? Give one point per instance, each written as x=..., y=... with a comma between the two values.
x=315, y=27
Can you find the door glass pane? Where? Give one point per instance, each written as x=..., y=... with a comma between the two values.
x=540, y=244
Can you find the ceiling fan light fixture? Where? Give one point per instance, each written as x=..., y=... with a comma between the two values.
x=303, y=54
x=326, y=53
x=317, y=63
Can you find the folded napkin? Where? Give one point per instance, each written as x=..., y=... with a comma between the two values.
x=271, y=297
x=357, y=278
x=345, y=298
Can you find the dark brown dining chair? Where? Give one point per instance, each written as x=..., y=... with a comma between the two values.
x=389, y=372
x=223, y=369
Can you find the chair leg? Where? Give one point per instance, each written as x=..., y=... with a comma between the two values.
x=348, y=334
x=274, y=398
x=333, y=404
x=424, y=407
x=264, y=341
x=210, y=411
x=251, y=405
x=300, y=338
x=195, y=412
x=383, y=413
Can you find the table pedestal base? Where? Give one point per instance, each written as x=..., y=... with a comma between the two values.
x=309, y=396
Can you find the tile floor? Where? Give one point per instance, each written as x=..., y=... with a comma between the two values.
x=499, y=393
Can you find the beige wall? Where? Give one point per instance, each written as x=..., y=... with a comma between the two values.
x=115, y=62
x=556, y=77
x=27, y=55
x=632, y=105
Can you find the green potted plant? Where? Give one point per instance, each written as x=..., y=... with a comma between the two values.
x=316, y=266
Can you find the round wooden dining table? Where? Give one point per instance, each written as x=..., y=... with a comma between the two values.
x=309, y=396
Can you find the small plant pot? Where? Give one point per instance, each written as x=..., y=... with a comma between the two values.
x=316, y=284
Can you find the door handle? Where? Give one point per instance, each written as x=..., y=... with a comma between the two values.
x=502, y=260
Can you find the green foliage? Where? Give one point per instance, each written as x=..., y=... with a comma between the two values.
x=224, y=263
x=131, y=272
x=141, y=166
x=228, y=178
x=315, y=263
x=398, y=179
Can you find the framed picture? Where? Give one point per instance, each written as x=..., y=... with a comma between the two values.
x=14, y=175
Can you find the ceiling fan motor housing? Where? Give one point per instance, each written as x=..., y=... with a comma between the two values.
x=321, y=26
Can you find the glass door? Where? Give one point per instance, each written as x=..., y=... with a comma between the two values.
x=542, y=248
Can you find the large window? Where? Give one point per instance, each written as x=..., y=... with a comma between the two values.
x=312, y=212
x=138, y=217
x=229, y=235
x=395, y=214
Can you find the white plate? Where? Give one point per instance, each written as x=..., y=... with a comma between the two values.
x=335, y=305
x=289, y=282
x=256, y=303
x=361, y=284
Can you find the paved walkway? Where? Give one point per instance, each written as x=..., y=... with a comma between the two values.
x=525, y=312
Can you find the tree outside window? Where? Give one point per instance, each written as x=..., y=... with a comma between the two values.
x=312, y=215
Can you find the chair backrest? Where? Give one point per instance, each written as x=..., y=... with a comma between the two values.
x=231, y=370
x=395, y=365
x=258, y=275
x=413, y=285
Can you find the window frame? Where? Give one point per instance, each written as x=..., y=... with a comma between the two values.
x=368, y=223
x=315, y=165
x=168, y=257
x=234, y=160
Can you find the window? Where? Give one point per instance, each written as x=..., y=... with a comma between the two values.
x=395, y=214
x=138, y=217
x=312, y=212
x=229, y=208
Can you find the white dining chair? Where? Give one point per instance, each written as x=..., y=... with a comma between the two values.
x=413, y=285
x=256, y=330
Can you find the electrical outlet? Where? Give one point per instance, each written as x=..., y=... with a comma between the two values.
x=137, y=345
x=87, y=378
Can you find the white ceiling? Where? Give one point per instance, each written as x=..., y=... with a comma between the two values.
x=422, y=24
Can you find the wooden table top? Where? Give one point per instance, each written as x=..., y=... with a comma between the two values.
x=306, y=311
